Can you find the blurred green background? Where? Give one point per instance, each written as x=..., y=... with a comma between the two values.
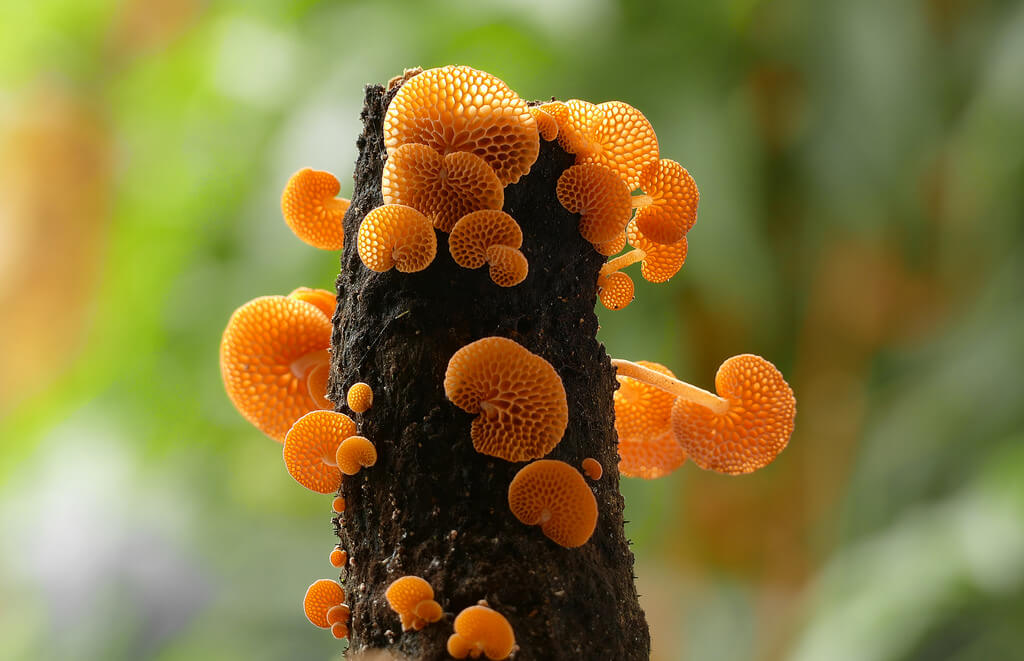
x=862, y=226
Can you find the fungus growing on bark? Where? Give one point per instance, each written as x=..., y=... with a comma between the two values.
x=321, y=596
x=354, y=453
x=592, y=468
x=481, y=630
x=396, y=236
x=474, y=112
x=490, y=237
x=658, y=261
x=615, y=290
x=321, y=298
x=360, y=397
x=310, y=448
x=413, y=599
x=312, y=209
x=339, y=630
x=338, y=504
x=600, y=197
x=442, y=188
x=554, y=495
x=518, y=395
x=508, y=266
x=338, y=557
x=609, y=248
x=268, y=350
x=624, y=141
x=643, y=422
x=337, y=617
x=546, y=124
x=668, y=208
x=576, y=121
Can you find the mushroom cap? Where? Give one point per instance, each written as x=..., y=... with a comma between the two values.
x=641, y=410
x=615, y=290
x=518, y=395
x=600, y=197
x=428, y=610
x=360, y=397
x=310, y=448
x=661, y=260
x=481, y=629
x=339, y=613
x=405, y=593
x=592, y=468
x=321, y=298
x=546, y=124
x=320, y=597
x=577, y=120
x=626, y=142
x=508, y=266
x=395, y=235
x=554, y=494
x=675, y=197
x=650, y=457
x=264, y=344
x=755, y=428
x=609, y=248
x=475, y=232
x=338, y=557
x=355, y=452
x=312, y=209
x=457, y=108
x=339, y=630
x=442, y=188
x=338, y=504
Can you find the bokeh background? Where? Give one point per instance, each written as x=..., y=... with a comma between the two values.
x=861, y=225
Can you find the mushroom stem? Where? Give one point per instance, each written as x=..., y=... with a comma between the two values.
x=674, y=386
x=641, y=201
x=622, y=261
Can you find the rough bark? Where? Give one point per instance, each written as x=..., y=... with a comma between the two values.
x=434, y=507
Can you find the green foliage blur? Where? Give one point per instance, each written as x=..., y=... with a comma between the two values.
x=861, y=225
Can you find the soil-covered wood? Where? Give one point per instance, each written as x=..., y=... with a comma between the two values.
x=434, y=507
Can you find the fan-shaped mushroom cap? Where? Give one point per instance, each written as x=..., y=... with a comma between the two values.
x=320, y=597
x=355, y=452
x=475, y=232
x=310, y=448
x=360, y=397
x=508, y=266
x=338, y=557
x=615, y=290
x=625, y=142
x=339, y=630
x=428, y=610
x=312, y=210
x=413, y=599
x=321, y=298
x=339, y=613
x=442, y=188
x=599, y=196
x=592, y=468
x=479, y=629
x=399, y=236
x=268, y=348
x=577, y=120
x=755, y=428
x=518, y=395
x=338, y=504
x=457, y=108
x=546, y=124
x=554, y=495
x=661, y=260
x=609, y=248
x=673, y=209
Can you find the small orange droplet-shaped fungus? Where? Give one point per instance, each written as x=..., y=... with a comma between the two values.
x=481, y=630
x=338, y=557
x=312, y=209
x=338, y=504
x=601, y=198
x=476, y=232
x=269, y=347
x=615, y=290
x=592, y=468
x=339, y=630
x=355, y=452
x=360, y=397
x=413, y=599
x=396, y=236
x=338, y=614
x=518, y=395
x=310, y=448
x=321, y=298
x=508, y=266
x=673, y=198
x=554, y=495
x=321, y=596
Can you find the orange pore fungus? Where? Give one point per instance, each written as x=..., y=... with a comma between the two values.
x=338, y=504
x=668, y=209
x=339, y=630
x=546, y=124
x=268, y=349
x=360, y=397
x=577, y=120
x=338, y=614
x=413, y=599
x=754, y=427
x=481, y=630
x=338, y=557
x=554, y=495
x=518, y=395
x=508, y=266
x=457, y=108
x=609, y=248
x=658, y=261
x=442, y=188
x=321, y=298
x=475, y=232
x=624, y=142
x=397, y=236
x=312, y=209
x=592, y=468
x=643, y=420
x=615, y=290
x=321, y=596
x=354, y=453
x=599, y=196
x=310, y=448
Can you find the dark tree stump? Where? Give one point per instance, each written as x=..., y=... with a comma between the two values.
x=434, y=507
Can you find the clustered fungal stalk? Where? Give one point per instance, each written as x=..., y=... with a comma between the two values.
x=456, y=139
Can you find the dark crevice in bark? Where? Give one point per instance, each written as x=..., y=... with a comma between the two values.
x=434, y=507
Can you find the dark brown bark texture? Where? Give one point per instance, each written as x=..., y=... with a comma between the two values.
x=434, y=507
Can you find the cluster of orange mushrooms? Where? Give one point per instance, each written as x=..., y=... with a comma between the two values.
x=455, y=137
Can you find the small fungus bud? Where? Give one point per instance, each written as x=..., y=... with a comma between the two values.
x=481, y=630
x=355, y=452
x=413, y=599
x=360, y=397
x=321, y=596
